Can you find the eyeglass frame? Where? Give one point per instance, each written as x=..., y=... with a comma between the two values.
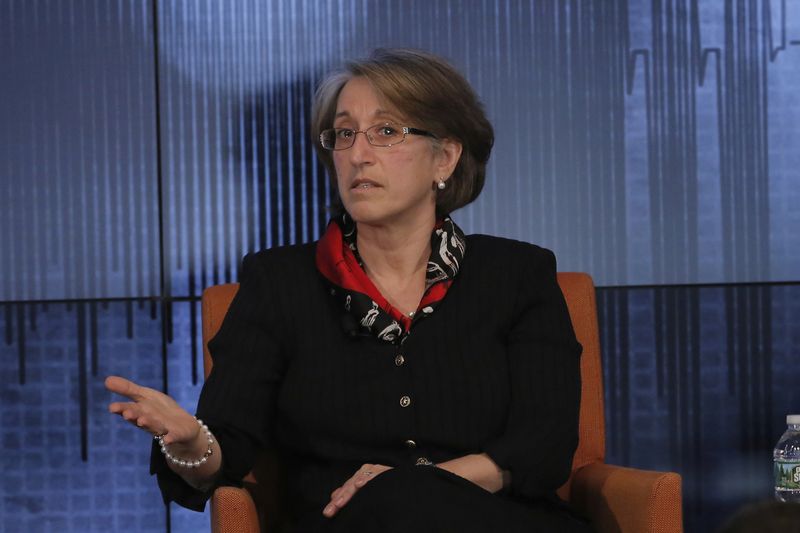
x=405, y=129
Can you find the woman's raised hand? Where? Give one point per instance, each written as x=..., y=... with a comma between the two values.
x=153, y=411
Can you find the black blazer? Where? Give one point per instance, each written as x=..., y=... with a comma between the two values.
x=494, y=369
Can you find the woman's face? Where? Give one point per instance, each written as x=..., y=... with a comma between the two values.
x=387, y=185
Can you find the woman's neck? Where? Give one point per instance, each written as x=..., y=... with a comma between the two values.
x=395, y=259
x=395, y=253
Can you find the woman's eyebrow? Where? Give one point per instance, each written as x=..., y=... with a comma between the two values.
x=383, y=113
x=377, y=114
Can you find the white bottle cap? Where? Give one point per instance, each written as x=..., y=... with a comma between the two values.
x=793, y=419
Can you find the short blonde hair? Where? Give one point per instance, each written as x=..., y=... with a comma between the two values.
x=428, y=90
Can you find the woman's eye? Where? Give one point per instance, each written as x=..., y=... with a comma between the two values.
x=344, y=133
x=387, y=131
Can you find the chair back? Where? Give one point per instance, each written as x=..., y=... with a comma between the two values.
x=266, y=481
x=214, y=306
x=578, y=289
x=579, y=293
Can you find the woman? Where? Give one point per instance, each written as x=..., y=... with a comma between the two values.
x=411, y=378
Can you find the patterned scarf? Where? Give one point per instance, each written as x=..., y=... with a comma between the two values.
x=370, y=312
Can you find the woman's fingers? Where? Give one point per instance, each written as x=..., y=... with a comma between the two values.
x=117, y=407
x=338, y=499
x=142, y=395
x=363, y=477
x=130, y=411
x=348, y=489
x=124, y=387
x=153, y=411
x=127, y=410
x=138, y=412
x=343, y=494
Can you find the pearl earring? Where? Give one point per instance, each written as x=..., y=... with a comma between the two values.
x=441, y=185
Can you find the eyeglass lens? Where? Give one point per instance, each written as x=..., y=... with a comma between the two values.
x=378, y=135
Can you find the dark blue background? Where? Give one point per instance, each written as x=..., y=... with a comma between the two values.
x=146, y=146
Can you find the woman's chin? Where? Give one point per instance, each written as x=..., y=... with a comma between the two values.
x=366, y=216
x=365, y=209
x=379, y=213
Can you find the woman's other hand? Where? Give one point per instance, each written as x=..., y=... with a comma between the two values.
x=158, y=414
x=343, y=494
x=153, y=411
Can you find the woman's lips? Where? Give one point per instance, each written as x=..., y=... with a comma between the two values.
x=363, y=184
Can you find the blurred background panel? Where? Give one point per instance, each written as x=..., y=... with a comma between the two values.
x=699, y=380
x=77, y=150
x=639, y=141
x=68, y=465
x=670, y=164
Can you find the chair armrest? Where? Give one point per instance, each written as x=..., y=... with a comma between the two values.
x=233, y=510
x=623, y=500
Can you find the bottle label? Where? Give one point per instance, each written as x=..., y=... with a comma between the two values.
x=787, y=474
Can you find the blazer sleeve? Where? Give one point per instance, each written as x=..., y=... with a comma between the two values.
x=541, y=432
x=238, y=399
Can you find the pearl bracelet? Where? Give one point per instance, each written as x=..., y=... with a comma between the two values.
x=188, y=463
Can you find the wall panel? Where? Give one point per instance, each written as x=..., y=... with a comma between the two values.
x=637, y=140
x=78, y=182
x=699, y=380
x=68, y=464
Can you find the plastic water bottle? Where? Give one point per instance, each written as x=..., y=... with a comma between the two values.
x=786, y=458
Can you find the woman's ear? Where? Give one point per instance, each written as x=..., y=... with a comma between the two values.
x=449, y=154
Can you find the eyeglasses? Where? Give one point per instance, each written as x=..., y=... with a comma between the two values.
x=383, y=135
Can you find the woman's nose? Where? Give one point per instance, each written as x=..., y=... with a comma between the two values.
x=361, y=151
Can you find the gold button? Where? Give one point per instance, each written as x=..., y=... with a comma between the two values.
x=405, y=401
x=399, y=360
x=411, y=444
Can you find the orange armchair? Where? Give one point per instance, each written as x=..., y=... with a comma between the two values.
x=617, y=499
